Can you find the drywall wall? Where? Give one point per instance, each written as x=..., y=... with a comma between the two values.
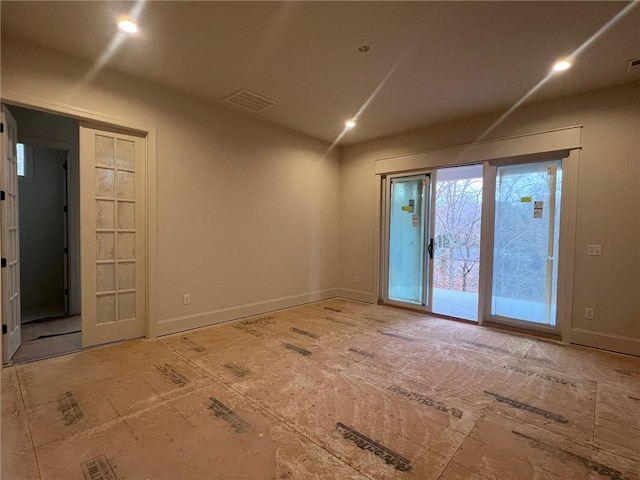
x=246, y=212
x=42, y=259
x=61, y=133
x=608, y=203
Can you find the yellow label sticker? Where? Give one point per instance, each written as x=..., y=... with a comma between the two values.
x=525, y=199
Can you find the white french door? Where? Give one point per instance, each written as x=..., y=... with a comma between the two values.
x=113, y=236
x=9, y=238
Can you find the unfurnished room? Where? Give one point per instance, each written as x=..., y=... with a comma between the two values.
x=320, y=240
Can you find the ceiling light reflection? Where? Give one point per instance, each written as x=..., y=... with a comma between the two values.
x=128, y=25
x=561, y=66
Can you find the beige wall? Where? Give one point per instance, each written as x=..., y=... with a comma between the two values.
x=246, y=211
x=608, y=203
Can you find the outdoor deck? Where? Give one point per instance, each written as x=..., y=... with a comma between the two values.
x=465, y=305
x=456, y=304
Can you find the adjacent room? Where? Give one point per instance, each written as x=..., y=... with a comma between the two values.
x=47, y=162
x=364, y=240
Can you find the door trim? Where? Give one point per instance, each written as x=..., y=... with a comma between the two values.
x=530, y=144
x=566, y=249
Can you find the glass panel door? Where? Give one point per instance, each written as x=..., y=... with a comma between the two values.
x=526, y=237
x=408, y=212
x=456, y=256
x=113, y=242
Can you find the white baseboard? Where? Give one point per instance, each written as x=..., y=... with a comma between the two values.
x=359, y=295
x=605, y=341
x=204, y=319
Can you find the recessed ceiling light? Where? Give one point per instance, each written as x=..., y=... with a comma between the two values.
x=128, y=25
x=350, y=124
x=561, y=66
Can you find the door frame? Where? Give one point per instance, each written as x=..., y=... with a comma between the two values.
x=566, y=255
x=124, y=125
x=556, y=143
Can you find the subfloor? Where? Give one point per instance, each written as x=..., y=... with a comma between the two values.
x=332, y=390
x=49, y=337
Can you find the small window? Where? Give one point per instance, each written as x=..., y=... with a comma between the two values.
x=24, y=161
x=21, y=160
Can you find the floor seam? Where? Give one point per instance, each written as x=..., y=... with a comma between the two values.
x=484, y=412
x=26, y=419
x=595, y=413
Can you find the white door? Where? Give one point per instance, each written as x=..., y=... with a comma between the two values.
x=113, y=236
x=9, y=240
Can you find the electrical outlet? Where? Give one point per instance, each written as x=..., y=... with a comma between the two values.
x=356, y=279
x=186, y=299
x=588, y=313
x=594, y=250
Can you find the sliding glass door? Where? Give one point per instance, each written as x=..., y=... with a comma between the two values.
x=435, y=238
x=525, y=244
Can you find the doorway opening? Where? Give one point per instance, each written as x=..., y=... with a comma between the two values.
x=49, y=250
x=109, y=252
x=456, y=257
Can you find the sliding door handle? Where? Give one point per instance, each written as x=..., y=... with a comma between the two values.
x=430, y=249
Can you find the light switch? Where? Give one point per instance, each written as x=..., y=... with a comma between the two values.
x=594, y=250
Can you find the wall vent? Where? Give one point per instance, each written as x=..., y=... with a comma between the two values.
x=633, y=65
x=250, y=101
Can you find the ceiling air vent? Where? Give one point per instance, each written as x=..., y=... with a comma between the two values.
x=633, y=65
x=250, y=101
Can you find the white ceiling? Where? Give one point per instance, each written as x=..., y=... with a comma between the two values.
x=428, y=62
